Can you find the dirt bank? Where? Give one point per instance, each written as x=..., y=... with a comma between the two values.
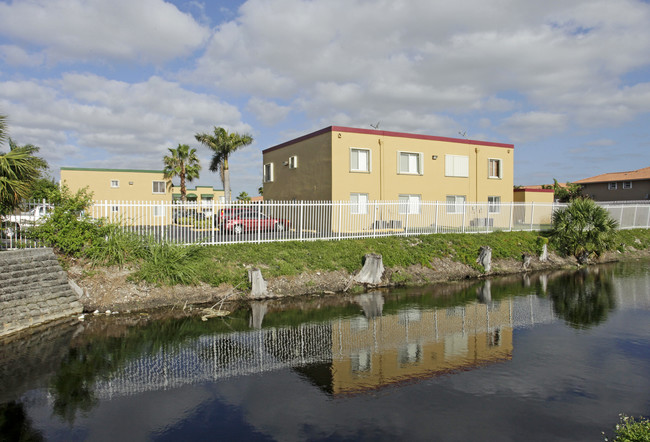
x=110, y=289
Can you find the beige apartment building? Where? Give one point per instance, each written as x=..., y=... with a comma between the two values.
x=141, y=188
x=343, y=163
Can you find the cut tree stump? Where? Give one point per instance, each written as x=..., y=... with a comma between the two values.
x=485, y=258
x=372, y=271
x=526, y=261
x=258, y=285
x=543, y=257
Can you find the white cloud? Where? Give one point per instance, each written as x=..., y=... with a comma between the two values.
x=522, y=127
x=115, y=123
x=17, y=56
x=268, y=112
x=93, y=30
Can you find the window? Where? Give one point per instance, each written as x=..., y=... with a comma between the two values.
x=158, y=187
x=409, y=163
x=494, y=168
x=455, y=203
x=268, y=173
x=612, y=186
x=494, y=204
x=457, y=165
x=293, y=162
x=115, y=209
x=409, y=204
x=359, y=204
x=115, y=184
x=158, y=211
x=627, y=184
x=359, y=160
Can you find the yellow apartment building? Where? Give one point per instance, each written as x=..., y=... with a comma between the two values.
x=136, y=186
x=360, y=166
x=342, y=163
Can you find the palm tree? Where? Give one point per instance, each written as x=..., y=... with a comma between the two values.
x=583, y=228
x=183, y=163
x=222, y=145
x=19, y=168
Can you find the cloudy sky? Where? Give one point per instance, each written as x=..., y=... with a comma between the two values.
x=99, y=83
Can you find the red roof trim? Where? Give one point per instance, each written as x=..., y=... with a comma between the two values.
x=388, y=134
x=524, y=189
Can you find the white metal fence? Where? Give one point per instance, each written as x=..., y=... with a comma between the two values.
x=220, y=223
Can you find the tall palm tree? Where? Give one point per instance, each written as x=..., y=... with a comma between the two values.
x=222, y=145
x=182, y=162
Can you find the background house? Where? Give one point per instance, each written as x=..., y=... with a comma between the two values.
x=134, y=185
x=618, y=186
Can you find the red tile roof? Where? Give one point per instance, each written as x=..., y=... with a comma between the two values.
x=633, y=175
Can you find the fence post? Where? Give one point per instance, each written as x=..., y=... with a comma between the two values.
x=436, y=220
x=464, y=216
x=302, y=218
x=532, y=215
x=620, y=218
x=340, y=217
x=512, y=209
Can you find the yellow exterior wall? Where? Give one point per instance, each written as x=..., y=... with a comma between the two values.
x=134, y=185
x=311, y=180
x=524, y=195
x=384, y=182
x=323, y=171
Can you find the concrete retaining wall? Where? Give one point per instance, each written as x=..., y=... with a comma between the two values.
x=33, y=289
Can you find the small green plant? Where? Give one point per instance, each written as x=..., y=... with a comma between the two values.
x=116, y=247
x=630, y=429
x=583, y=228
x=165, y=263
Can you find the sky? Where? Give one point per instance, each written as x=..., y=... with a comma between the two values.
x=116, y=83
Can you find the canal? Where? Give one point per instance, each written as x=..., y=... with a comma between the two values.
x=551, y=356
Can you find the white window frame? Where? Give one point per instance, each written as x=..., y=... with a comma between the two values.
x=409, y=204
x=419, y=167
x=293, y=162
x=359, y=203
x=359, y=169
x=612, y=186
x=499, y=163
x=494, y=204
x=457, y=166
x=627, y=185
x=457, y=205
x=268, y=176
x=115, y=184
x=153, y=187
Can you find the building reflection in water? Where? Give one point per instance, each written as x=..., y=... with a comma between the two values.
x=347, y=355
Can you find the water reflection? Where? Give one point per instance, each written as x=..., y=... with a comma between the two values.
x=342, y=345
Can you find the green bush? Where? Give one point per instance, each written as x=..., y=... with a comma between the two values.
x=165, y=263
x=116, y=247
x=631, y=430
x=67, y=229
x=583, y=228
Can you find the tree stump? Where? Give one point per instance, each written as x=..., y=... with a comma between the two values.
x=372, y=271
x=258, y=285
x=526, y=261
x=543, y=257
x=485, y=258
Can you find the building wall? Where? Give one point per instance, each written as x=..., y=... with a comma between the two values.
x=524, y=195
x=383, y=182
x=600, y=191
x=311, y=180
x=132, y=185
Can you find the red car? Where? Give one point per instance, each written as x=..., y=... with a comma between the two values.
x=239, y=219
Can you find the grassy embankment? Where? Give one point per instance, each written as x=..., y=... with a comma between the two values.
x=228, y=263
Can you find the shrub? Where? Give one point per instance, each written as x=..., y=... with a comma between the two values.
x=168, y=264
x=116, y=247
x=583, y=228
x=631, y=430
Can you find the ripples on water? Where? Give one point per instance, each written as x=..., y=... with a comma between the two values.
x=534, y=357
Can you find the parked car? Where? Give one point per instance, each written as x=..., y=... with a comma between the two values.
x=245, y=219
x=12, y=224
